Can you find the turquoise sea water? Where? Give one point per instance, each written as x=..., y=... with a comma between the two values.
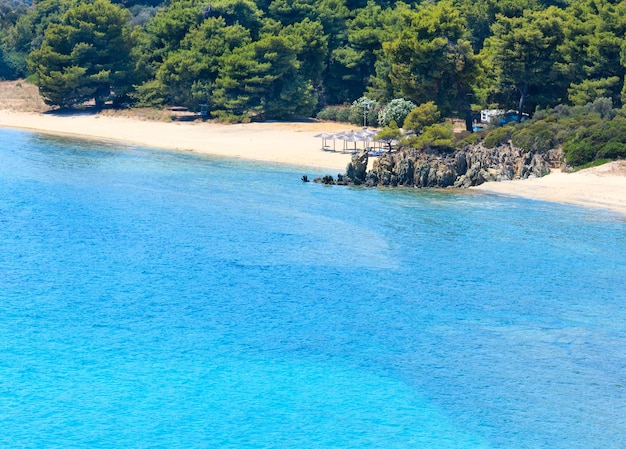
x=151, y=299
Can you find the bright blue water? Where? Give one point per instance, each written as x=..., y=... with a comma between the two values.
x=151, y=299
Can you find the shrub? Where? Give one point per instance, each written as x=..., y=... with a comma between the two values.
x=437, y=136
x=498, y=136
x=361, y=106
x=389, y=134
x=343, y=114
x=569, y=126
x=426, y=114
x=614, y=133
x=333, y=113
x=604, y=140
x=536, y=136
x=395, y=110
x=229, y=117
x=603, y=107
x=467, y=138
x=599, y=108
x=353, y=113
x=578, y=152
x=595, y=163
x=328, y=113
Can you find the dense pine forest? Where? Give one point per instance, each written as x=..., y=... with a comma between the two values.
x=560, y=61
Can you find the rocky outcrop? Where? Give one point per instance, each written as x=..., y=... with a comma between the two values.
x=357, y=168
x=470, y=166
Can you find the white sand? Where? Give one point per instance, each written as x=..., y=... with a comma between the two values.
x=293, y=143
x=288, y=143
x=602, y=187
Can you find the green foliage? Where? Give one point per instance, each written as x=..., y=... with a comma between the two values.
x=343, y=114
x=430, y=60
x=364, y=109
x=27, y=32
x=396, y=110
x=341, y=83
x=354, y=58
x=261, y=80
x=480, y=15
x=601, y=108
x=497, y=136
x=289, y=12
x=586, y=133
x=589, y=90
x=389, y=134
x=437, y=137
x=85, y=56
x=244, y=13
x=596, y=163
x=150, y=94
x=342, y=80
x=426, y=114
x=227, y=117
x=334, y=113
x=467, y=138
x=141, y=14
x=537, y=136
x=9, y=15
x=522, y=52
x=163, y=34
x=603, y=140
x=592, y=49
x=307, y=38
x=353, y=113
x=188, y=75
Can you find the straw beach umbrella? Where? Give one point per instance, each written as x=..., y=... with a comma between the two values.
x=347, y=136
x=365, y=136
x=325, y=137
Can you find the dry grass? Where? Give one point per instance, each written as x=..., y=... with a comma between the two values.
x=21, y=96
x=458, y=125
x=159, y=115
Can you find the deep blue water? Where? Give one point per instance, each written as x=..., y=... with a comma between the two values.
x=153, y=299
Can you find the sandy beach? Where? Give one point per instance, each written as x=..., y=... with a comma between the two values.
x=287, y=143
x=602, y=187
x=294, y=143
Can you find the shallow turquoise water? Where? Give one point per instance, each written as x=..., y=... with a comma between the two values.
x=153, y=299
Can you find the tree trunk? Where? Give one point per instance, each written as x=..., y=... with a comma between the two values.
x=523, y=90
x=466, y=104
x=469, y=125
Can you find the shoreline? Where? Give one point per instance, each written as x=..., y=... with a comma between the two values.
x=293, y=143
x=602, y=187
x=289, y=143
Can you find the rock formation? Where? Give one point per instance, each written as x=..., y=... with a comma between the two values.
x=470, y=166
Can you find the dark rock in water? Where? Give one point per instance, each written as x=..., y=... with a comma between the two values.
x=470, y=166
x=326, y=179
